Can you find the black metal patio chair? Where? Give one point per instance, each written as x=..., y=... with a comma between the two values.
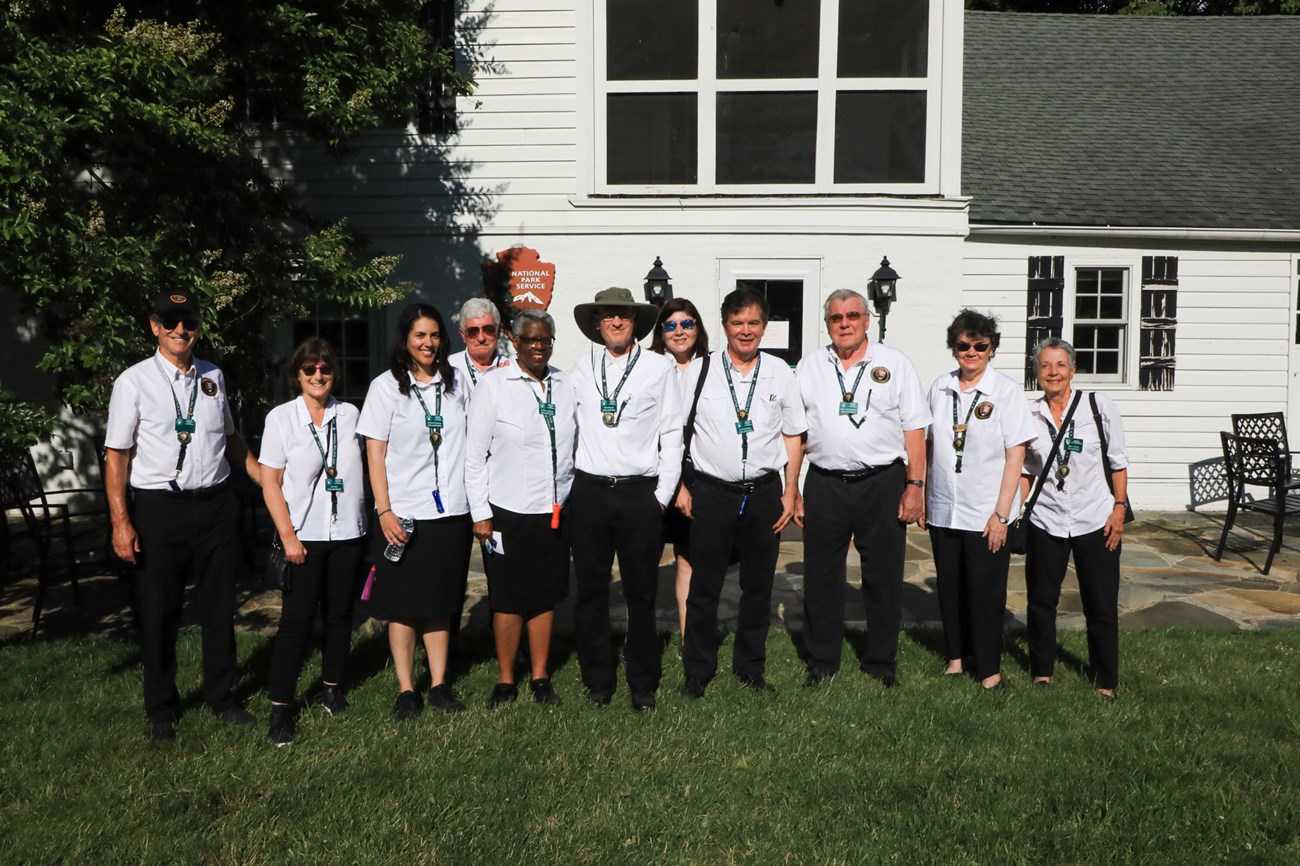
x=1255, y=462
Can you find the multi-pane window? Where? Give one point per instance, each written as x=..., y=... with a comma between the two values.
x=350, y=333
x=1101, y=322
x=718, y=96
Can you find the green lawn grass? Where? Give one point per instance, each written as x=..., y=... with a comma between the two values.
x=1195, y=763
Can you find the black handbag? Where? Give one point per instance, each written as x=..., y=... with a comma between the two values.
x=276, y=573
x=1018, y=532
x=1105, y=457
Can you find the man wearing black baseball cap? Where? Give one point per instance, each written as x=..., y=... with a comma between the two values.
x=171, y=436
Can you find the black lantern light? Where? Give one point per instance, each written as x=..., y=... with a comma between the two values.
x=882, y=291
x=658, y=290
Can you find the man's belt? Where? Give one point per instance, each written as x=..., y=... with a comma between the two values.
x=200, y=493
x=856, y=475
x=748, y=486
x=615, y=480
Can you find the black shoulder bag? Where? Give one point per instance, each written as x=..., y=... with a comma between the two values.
x=1105, y=455
x=688, y=467
x=1018, y=533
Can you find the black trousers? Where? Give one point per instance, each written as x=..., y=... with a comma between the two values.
x=186, y=534
x=865, y=511
x=1098, y=572
x=328, y=579
x=719, y=536
x=972, y=589
x=625, y=520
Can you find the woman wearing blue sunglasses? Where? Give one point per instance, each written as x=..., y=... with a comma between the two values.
x=680, y=333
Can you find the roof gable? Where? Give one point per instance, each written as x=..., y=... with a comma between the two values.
x=1128, y=121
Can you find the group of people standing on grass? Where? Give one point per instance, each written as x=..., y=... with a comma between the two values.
x=630, y=448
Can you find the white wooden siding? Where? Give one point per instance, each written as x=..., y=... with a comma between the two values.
x=1233, y=341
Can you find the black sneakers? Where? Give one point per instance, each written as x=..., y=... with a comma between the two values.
x=333, y=699
x=281, y=730
x=407, y=706
x=162, y=730
x=443, y=697
x=502, y=694
x=543, y=692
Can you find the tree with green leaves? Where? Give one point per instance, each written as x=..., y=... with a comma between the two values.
x=127, y=167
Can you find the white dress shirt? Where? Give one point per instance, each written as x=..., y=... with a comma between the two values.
x=648, y=438
x=889, y=401
x=777, y=409
x=1085, y=503
x=967, y=499
x=509, y=455
x=471, y=375
x=142, y=415
x=389, y=417
x=288, y=444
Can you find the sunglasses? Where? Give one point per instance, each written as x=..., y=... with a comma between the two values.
x=851, y=315
x=611, y=315
x=487, y=330
x=310, y=369
x=171, y=320
x=686, y=325
x=966, y=347
x=540, y=342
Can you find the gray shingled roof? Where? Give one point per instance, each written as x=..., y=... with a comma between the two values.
x=1123, y=121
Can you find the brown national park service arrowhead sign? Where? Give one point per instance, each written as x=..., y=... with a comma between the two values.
x=526, y=281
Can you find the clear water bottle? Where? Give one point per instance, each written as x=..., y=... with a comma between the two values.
x=393, y=552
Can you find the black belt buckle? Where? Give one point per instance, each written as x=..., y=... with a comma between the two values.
x=746, y=487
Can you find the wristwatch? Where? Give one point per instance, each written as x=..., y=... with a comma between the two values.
x=916, y=482
x=1003, y=520
x=1122, y=502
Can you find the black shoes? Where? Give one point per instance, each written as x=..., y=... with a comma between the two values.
x=333, y=699
x=407, y=706
x=889, y=681
x=816, y=676
x=643, y=701
x=281, y=730
x=502, y=694
x=543, y=693
x=600, y=697
x=236, y=715
x=163, y=730
x=694, y=687
x=443, y=697
x=756, y=683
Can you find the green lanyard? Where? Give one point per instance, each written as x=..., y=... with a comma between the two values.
x=848, y=408
x=959, y=430
x=434, y=425
x=609, y=404
x=469, y=366
x=547, y=410
x=329, y=464
x=744, y=426
x=1063, y=454
x=184, y=424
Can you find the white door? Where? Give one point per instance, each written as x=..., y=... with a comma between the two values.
x=793, y=288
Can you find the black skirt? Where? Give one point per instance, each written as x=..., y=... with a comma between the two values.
x=429, y=580
x=677, y=527
x=533, y=572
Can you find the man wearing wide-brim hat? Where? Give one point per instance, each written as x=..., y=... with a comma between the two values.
x=627, y=464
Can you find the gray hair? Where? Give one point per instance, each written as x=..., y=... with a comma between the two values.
x=844, y=295
x=1054, y=343
x=477, y=308
x=523, y=317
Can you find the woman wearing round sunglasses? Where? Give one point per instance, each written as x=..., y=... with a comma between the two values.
x=313, y=485
x=977, y=448
x=680, y=333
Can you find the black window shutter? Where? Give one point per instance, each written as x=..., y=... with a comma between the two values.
x=1159, y=322
x=1043, y=307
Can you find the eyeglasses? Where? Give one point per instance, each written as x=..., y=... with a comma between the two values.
x=171, y=320
x=310, y=369
x=540, y=342
x=472, y=333
x=851, y=315
x=966, y=347
x=611, y=315
x=685, y=324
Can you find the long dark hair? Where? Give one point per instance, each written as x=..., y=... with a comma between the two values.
x=679, y=305
x=400, y=362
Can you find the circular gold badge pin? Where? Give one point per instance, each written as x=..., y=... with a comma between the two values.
x=209, y=387
x=880, y=375
x=984, y=410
